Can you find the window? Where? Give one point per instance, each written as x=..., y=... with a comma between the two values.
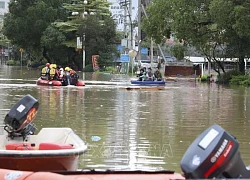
x=2, y=5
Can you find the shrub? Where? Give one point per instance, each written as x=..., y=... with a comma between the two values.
x=88, y=68
x=17, y=63
x=204, y=77
x=11, y=62
x=227, y=76
x=110, y=69
x=243, y=80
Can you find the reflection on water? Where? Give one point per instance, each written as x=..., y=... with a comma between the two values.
x=137, y=129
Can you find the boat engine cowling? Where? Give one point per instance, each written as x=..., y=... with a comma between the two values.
x=214, y=154
x=19, y=118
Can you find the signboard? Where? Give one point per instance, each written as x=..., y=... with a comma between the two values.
x=119, y=48
x=124, y=58
x=78, y=43
x=144, y=51
x=95, y=63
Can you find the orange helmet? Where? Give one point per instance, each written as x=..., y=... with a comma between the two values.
x=48, y=64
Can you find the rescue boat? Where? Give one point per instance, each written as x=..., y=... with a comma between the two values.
x=93, y=175
x=44, y=82
x=148, y=83
x=52, y=149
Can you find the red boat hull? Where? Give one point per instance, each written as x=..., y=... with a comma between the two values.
x=43, y=82
x=27, y=175
x=80, y=83
x=42, y=163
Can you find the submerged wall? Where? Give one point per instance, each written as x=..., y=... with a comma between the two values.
x=182, y=70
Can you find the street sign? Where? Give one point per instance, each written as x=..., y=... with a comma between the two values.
x=78, y=43
x=144, y=50
x=124, y=58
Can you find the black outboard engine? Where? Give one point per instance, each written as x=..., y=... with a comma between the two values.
x=214, y=154
x=19, y=118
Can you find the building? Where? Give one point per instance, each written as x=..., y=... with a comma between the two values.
x=121, y=12
x=4, y=7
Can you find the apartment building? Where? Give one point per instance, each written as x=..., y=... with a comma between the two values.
x=4, y=7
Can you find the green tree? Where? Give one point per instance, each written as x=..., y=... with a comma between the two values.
x=216, y=28
x=92, y=20
x=27, y=20
x=178, y=50
x=48, y=29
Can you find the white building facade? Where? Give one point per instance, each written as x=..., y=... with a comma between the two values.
x=117, y=8
x=4, y=7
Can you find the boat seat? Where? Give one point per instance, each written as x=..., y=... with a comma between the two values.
x=54, y=146
x=20, y=146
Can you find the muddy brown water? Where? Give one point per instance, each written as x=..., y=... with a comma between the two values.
x=139, y=129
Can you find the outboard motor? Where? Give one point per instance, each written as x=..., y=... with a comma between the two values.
x=214, y=154
x=19, y=118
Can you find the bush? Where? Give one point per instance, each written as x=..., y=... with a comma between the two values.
x=11, y=62
x=17, y=63
x=243, y=80
x=226, y=77
x=204, y=77
x=88, y=68
x=110, y=69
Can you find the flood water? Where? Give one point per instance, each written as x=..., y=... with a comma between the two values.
x=146, y=129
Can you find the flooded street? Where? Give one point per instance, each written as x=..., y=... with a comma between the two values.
x=143, y=129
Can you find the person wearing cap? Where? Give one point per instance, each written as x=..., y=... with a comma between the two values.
x=71, y=76
x=53, y=71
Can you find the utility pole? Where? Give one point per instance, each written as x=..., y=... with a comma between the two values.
x=131, y=35
x=139, y=29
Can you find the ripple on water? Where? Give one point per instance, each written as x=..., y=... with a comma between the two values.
x=138, y=129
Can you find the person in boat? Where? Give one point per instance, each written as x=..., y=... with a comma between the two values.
x=61, y=73
x=142, y=75
x=45, y=74
x=71, y=76
x=157, y=74
x=53, y=72
x=150, y=75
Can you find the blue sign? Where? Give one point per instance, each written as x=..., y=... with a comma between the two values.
x=144, y=50
x=124, y=58
x=119, y=48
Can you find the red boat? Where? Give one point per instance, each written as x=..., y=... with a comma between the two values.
x=44, y=82
x=93, y=175
x=52, y=149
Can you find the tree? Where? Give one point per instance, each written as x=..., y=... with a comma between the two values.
x=178, y=50
x=92, y=20
x=216, y=28
x=48, y=28
x=27, y=20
